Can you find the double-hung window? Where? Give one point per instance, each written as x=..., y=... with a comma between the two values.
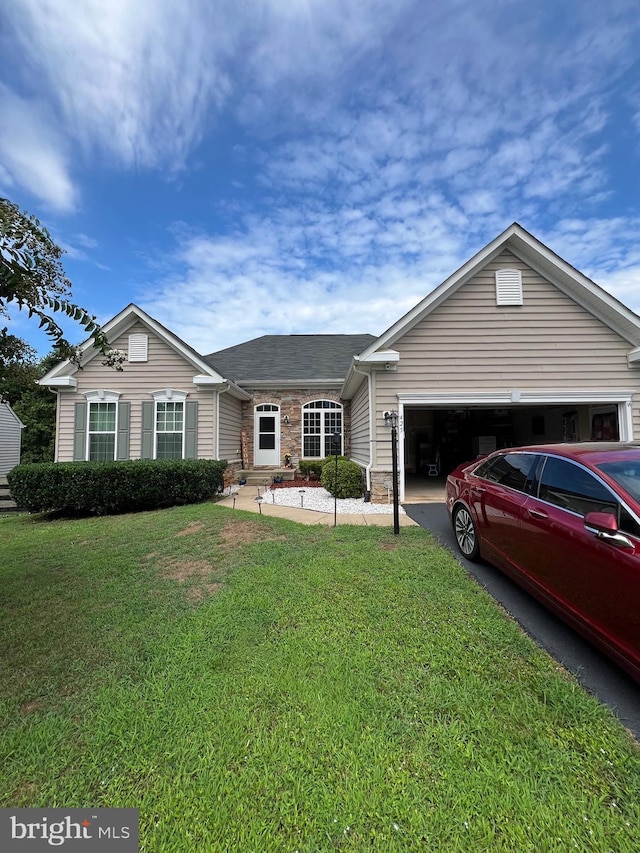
x=169, y=424
x=102, y=425
x=320, y=420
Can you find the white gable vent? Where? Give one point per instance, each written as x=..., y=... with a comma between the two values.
x=508, y=287
x=138, y=347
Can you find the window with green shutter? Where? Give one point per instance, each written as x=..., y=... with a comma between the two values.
x=169, y=430
x=102, y=432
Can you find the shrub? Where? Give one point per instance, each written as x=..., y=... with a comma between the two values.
x=104, y=488
x=313, y=467
x=349, y=483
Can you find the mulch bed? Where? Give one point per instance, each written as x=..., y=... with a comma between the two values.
x=297, y=484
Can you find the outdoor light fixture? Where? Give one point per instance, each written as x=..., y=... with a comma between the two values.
x=259, y=502
x=301, y=498
x=286, y=419
x=391, y=420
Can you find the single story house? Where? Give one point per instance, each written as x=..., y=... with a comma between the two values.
x=10, y=438
x=515, y=347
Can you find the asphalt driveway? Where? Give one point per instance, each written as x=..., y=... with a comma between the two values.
x=597, y=674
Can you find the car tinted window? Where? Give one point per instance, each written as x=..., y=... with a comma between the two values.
x=571, y=487
x=627, y=523
x=510, y=469
x=626, y=473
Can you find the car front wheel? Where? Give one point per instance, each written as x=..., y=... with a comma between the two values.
x=466, y=534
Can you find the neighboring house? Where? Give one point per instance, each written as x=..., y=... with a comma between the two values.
x=10, y=438
x=515, y=347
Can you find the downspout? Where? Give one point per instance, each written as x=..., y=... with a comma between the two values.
x=367, y=373
x=219, y=392
x=57, y=436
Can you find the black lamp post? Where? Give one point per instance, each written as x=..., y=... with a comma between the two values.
x=336, y=438
x=391, y=420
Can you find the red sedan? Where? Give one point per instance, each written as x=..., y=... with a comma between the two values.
x=564, y=522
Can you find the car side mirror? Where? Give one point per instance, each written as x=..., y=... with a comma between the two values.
x=605, y=525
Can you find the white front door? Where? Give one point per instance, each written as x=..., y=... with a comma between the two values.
x=267, y=435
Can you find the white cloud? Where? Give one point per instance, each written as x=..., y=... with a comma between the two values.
x=383, y=142
x=34, y=155
x=130, y=79
x=606, y=250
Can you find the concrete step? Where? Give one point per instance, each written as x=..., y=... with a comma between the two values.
x=7, y=504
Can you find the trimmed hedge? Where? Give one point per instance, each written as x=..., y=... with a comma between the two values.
x=349, y=483
x=313, y=467
x=105, y=488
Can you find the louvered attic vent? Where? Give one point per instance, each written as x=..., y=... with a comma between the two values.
x=138, y=346
x=508, y=287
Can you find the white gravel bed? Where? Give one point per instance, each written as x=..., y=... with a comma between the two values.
x=320, y=500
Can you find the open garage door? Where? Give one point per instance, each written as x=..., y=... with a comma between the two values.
x=437, y=438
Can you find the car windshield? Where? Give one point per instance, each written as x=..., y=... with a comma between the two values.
x=626, y=473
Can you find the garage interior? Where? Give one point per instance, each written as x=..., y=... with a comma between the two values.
x=436, y=440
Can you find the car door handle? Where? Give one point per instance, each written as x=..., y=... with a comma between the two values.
x=538, y=513
x=478, y=490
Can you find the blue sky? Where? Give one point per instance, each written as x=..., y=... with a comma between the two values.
x=283, y=166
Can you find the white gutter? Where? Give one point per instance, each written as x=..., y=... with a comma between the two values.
x=367, y=373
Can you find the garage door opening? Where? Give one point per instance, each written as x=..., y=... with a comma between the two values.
x=436, y=440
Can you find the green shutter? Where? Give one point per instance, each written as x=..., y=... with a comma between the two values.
x=147, y=430
x=80, y=432
x=191, y=430
x=124, y=411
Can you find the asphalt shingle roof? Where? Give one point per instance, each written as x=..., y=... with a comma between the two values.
x=289, y=357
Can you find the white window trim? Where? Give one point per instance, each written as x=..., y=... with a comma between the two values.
x=101, y=395
x=168, y=395
x=335, y=407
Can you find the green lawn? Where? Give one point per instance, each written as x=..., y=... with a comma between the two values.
x=254, y=685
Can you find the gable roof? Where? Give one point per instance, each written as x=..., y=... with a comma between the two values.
x=61, y=375
x=7, y=408
x=542, y=260
x=278, y=359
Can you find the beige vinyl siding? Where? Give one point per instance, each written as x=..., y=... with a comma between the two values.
x=549, y=343
x=165, y=368
x=230, y=425
x=360, y=433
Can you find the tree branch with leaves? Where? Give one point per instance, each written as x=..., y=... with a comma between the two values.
x=32, y=277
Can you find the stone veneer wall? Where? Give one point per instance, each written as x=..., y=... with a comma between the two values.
x=379, y=493
x=291, y=403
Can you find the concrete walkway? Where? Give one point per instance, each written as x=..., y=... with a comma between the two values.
x=245, y=498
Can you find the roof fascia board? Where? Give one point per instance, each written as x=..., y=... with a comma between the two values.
x=210, y=383
x=378, y=357
x=58, y=382
x=354, y=379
